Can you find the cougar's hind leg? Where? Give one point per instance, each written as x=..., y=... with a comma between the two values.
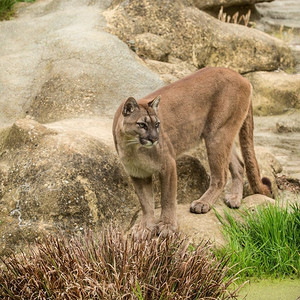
x=236, y=168
x=218, y=145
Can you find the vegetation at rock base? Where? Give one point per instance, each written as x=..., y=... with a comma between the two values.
x=265, y=243
x=6, y=8
x=111, y=266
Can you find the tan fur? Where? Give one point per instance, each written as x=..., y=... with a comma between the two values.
x=213, y=104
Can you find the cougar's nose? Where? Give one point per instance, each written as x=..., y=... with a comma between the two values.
x=153, y=140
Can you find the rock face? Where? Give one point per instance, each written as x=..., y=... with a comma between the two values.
x=152, y=46
x=172, y=70
x=198, y=38
x=51, y=180
x=208, y=4
x=275, y=93
x=280, y=135
x=69, y=67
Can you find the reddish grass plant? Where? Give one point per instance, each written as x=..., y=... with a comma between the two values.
x=111, y=266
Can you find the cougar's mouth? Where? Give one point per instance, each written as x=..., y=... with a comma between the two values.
x=148, y=144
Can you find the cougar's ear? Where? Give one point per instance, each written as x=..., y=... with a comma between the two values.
x=129, y=106
x=154, y=103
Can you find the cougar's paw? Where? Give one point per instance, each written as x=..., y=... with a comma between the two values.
x=165, y=229
x=233, y=201
x=198, y=207
x=143, y=231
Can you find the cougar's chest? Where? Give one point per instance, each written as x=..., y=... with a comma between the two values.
x=141, y=163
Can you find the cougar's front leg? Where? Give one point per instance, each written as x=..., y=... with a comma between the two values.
x=168, y=179
x=146, y=227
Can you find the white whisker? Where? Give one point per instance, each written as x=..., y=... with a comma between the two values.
x=132, y=142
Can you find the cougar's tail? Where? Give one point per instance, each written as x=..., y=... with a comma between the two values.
x=258, y=185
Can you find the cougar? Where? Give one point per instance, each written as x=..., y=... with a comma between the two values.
x=213, y=104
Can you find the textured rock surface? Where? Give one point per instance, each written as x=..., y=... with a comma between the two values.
x=281, y=18
x=198, y=38
x=51, y=180
x=172, y=70
x=284, y=13
x=275, y=92
x=207, y=4
x=69, y=67
x=283, y=145
x=207, y=226
x=151, y=46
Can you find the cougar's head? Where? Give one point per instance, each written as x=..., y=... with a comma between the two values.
x=141, y=123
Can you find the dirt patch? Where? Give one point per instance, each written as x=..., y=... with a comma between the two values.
x=286, y=183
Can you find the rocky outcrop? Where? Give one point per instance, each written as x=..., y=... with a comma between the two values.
x=70, y=72
x=172, y=70
x=69, y=67
x=151, y=46
x=275, y=92
x=280, y=135
x=58, y=177
x=208, y=4
x=198, y=38
x=54, y=180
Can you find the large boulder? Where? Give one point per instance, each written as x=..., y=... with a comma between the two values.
x=152, y=46
x=172, y=70
x=280, y=135
x=51, y=180
x=198, y=38
x=69, y=67
x=275, y=92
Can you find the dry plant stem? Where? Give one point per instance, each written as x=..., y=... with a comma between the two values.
x=222, y=16
x=110, y=266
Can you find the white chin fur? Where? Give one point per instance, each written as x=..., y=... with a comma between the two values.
x=148, y=145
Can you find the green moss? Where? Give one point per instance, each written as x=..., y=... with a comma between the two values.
x=271, y=289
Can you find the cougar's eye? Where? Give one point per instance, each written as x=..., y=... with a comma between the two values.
x=142, y=125
x=157, y=124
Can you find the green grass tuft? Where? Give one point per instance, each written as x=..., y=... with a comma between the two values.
x=6, y=8
x=266, y=242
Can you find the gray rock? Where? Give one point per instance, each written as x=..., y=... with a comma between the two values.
x=199, y=38
x=208, y=4
x=172, y=70
x=193, y=178
x=152, y=46
x=285, y=13
x=69, y=67
x=52, y=180
x=275, y=92
x=284, y=146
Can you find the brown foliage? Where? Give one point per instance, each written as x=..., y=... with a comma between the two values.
x=111, y=266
